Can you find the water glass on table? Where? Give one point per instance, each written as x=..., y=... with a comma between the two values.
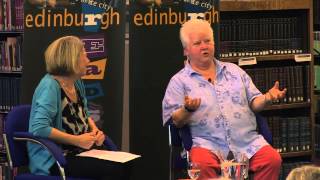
x=193, y=170
x=236, y=168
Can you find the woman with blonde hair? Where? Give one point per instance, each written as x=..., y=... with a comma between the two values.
x=306, y=172
x=59, y=112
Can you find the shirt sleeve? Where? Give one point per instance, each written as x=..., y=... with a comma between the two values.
x=44, y=111
x=173, y=99
x=251, y=90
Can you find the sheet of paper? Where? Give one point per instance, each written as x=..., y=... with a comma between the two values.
x=116, y=156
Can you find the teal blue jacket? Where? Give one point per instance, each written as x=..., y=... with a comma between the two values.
x=46, y=113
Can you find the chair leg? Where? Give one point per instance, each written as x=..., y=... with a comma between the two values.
x=171, y=173
x=62, y=173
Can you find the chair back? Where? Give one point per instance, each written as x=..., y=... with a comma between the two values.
x=180, y=137
x=263, y=128
x=17, y=120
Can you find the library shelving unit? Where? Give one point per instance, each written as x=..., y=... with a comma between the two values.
x=11, y=36
x=271, y=40
x=10, y=68
x=316, y=47
x=10, y=76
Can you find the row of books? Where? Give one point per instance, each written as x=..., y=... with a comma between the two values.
x=316, y=12
x=260, y=47
x=317, y=139
x=290, y=134
x=316, y=41
x=11, y=54
x=288, y=166
x=295, y=78
x=317, y=77
x=10, y=93
x=2, y=147
x=5, y=172
x=258, y=37
x=11, y=15
x=4, y=168
x=260, y=29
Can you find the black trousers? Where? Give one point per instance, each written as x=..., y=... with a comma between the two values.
x=93, y=168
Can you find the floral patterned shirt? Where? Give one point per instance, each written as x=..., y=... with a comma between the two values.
x=224, y=120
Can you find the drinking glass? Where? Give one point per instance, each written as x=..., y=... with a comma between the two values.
x=193, y=170
x=236, y=168
x=243, y=160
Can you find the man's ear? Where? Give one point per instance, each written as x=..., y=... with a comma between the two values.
x=185, y=52
x=185, y=61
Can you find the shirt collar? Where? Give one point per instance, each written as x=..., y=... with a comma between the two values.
x=220, y=66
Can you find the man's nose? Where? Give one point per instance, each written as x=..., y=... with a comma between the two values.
x=203, y=45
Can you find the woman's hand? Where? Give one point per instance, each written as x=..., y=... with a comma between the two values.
x=100, y=137
x=86, y=140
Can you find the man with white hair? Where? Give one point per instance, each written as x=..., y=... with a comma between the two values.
x=218, y=101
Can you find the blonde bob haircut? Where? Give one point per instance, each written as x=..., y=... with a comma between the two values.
x=62, y=56
x=306, y=172
x=192, y=26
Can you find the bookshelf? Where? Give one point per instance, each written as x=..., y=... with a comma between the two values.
x=10, y=78
x=11, y=37
x=316, y=48
x=270, y=36
x=10, y=69
x=316, y=14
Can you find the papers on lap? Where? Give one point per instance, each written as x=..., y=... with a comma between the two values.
x=116, y=156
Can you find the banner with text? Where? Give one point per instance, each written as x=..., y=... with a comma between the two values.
x=156, y=54
x=101, y=26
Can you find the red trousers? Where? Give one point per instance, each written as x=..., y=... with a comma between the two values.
x=265, y=164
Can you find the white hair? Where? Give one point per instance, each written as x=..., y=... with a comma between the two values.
x=194, y=25
x=306, y=172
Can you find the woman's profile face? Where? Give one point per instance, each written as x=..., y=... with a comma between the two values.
x=83, y=62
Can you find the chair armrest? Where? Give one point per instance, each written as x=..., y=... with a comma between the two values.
x=179, y=135
x=186, y=137
x=53, y=148
x=109, y=144
x=264, y=128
